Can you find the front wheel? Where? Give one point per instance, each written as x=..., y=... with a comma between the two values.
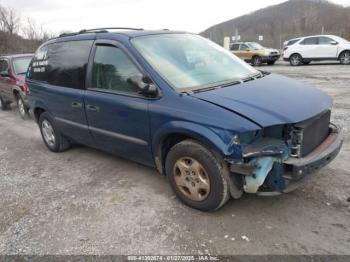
x=53, y=139
x=22, y=108
x=345, y=58
x=271, y=62
x=295, y=60
x=197, y=176
x=256, y=61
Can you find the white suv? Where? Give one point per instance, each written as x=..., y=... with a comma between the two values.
x=303, y=50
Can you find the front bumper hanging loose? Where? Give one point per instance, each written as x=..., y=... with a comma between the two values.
x=293, y=170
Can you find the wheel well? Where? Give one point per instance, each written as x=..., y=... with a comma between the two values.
x=169, y=142
x=15, y=94
x=295, y=54
x=346, y=50
x=166, y=145
x=37, y=112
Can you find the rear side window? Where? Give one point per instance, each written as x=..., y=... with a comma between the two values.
x=21, y=64
x=111, y=69
x=310, y=41
x=62, y=64
x=234, y=47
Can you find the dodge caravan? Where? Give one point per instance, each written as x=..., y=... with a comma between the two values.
x=214, y=125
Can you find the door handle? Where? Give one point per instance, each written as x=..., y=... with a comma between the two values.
x=92, y=108
x=76, y=104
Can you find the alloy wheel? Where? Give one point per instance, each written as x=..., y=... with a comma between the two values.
x=257, y=61
x=345, y=58
x=21, y=107
x=48, y=133
x=295, y=60
x=191, y=179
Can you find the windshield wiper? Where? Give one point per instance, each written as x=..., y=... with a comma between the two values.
x=216, y=85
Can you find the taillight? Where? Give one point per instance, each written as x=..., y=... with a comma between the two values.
x=24, y=88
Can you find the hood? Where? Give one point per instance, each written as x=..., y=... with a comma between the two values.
x=271, y=100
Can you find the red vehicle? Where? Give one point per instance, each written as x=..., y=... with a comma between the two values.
x=13, y=88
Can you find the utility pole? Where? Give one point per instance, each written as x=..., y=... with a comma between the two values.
x=322, y=32
x=236, y=35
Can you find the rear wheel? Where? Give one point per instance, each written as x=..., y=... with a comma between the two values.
x=256, y=61
x=22, y=108
x=196, y=176
x=53, y=139
x=345, y=58
x=295, y=60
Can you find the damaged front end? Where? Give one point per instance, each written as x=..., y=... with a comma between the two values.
x=275, y=159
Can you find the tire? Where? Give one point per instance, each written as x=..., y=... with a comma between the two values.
x=256, y=61
x=271, y=62
x=345, y=58
x=295, y=60
x=4, y=105
x=306, y=62
x=22, y=108
x=53, y=139
x=200, y=168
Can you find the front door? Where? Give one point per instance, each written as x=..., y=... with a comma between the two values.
x=117, y=115
x=327, y=47
x=245, y=52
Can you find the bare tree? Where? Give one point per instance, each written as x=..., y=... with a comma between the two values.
x=9, y=20
x=32, y=31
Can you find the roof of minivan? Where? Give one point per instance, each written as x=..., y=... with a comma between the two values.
x=114, y=35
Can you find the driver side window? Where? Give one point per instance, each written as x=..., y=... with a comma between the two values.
x=325, y=40
x=111, y=69
x=243, y=47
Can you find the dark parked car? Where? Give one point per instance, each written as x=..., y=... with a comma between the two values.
x=12, y=83
x=215, y=126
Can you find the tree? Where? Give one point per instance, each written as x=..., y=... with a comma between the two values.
x=9, y=20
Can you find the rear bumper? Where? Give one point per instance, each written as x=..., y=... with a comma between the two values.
x=297, y=169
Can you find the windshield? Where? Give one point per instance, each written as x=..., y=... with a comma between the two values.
x=255, y=46
x=191, y=61
x=21, y=64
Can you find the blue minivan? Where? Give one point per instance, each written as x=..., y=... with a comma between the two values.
x=215, y=126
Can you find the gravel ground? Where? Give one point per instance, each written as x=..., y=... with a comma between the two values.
x=84, y=201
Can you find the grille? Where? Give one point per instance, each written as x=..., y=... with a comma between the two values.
x=307, y=135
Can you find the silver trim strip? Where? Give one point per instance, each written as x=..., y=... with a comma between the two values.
x=119, y=136
x=105, y=132
x=72, y=123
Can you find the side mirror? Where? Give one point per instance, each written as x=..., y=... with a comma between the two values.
x=334, y=43
x=143, y=84
x=5, y=73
